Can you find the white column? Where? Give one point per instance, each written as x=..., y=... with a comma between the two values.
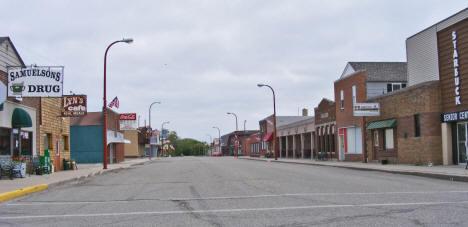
x=280, y=150
x=312, y=144
x=446, y=144
x=294, y=146
x=302, y=145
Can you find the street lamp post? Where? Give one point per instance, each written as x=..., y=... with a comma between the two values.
x=219, y=139
x=274, y=119
x=235, y=134
x=149, y=128
x=162, y=139
x=104, y=107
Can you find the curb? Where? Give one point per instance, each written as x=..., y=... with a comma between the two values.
x=403, y=172
x=25, y=191
x=20, y=192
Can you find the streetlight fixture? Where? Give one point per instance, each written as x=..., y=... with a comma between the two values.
x=235, y=134
x=274, y=119
x=162, y=139
x=104, y=107
x=219, y=139
x=149, y=128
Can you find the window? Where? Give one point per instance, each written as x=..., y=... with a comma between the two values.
x=376, y=138
x=48, y=141
x=354, y=94
x=395, y=86
x=389, y=138
x=417, y=126
x=65, y=145
x=341, y=99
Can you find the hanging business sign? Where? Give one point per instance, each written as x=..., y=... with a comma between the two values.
x=35, y=81
x=74, y=105
x=366, y=109
x=128, y=121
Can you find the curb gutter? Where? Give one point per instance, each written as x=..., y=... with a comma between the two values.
x=403, y=172
x=25, y=191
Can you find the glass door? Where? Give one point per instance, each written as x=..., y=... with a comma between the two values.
x=461, y=133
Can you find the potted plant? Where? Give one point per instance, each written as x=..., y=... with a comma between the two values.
x=20, y=163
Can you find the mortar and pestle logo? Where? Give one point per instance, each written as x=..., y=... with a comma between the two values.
x=17, y=88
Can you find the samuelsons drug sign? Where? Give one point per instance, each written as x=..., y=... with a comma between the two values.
x=35, y=81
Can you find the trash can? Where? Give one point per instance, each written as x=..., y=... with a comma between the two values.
x=66, y=164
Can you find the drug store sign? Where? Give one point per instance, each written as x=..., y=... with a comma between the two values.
x=35, y=81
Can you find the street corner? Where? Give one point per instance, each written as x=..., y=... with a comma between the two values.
x=21, y=192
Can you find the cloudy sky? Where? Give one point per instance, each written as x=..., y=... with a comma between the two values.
x=202, y=58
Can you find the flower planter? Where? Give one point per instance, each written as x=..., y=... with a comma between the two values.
x=22, y=169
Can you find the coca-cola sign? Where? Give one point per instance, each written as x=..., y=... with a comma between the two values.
x=128, y=116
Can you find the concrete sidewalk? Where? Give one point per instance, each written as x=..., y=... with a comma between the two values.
x=452, y=172
x=60, y=177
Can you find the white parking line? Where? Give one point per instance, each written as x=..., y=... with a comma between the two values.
x=232, y=197
x=230, y=210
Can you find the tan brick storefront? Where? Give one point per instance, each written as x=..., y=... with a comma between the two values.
x=417, y=134
x=53, y=131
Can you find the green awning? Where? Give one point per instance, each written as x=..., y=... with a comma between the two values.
x=382, y=124
x=20, y=119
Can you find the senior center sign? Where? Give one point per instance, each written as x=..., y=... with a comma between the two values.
x=35, y=81
x=74, y=105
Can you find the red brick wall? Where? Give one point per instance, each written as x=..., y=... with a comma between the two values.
x=344, y=117
x=423, y=99
x=119, y=152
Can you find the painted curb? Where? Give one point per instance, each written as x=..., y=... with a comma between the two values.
x=28, y=190
x=20, y=192
x=440, y=176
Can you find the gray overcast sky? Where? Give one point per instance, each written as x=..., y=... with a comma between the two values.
x=202, y=59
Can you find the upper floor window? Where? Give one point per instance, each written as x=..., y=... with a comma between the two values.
x=341, y=99
x=354, y=94
x=395, y=86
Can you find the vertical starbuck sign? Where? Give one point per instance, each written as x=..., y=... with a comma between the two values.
x=35, y=81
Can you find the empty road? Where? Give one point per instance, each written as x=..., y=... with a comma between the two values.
x=223, y=191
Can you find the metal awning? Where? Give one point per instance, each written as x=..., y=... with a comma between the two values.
x=391, y=123
x=20, y=119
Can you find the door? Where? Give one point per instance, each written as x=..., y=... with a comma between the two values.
x=462, y=135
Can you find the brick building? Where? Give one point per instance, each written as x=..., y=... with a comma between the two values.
x=325, y=130
x=51, y=131
x=407, y=130
x=359, y=81
x=439, y=53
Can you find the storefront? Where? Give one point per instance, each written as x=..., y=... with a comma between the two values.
x=452, y=44
x=17, y=129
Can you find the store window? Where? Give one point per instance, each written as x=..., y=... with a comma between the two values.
x=65, y=144
x=376, y=138
x=26, y=143
x=5, y=139
x=47, y=140
x=389, y=138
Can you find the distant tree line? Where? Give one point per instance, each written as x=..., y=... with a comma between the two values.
x=186, y=146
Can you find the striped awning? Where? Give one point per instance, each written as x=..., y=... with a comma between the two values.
x=391, y=123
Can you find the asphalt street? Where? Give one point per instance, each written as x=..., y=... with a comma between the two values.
x=223, y=191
